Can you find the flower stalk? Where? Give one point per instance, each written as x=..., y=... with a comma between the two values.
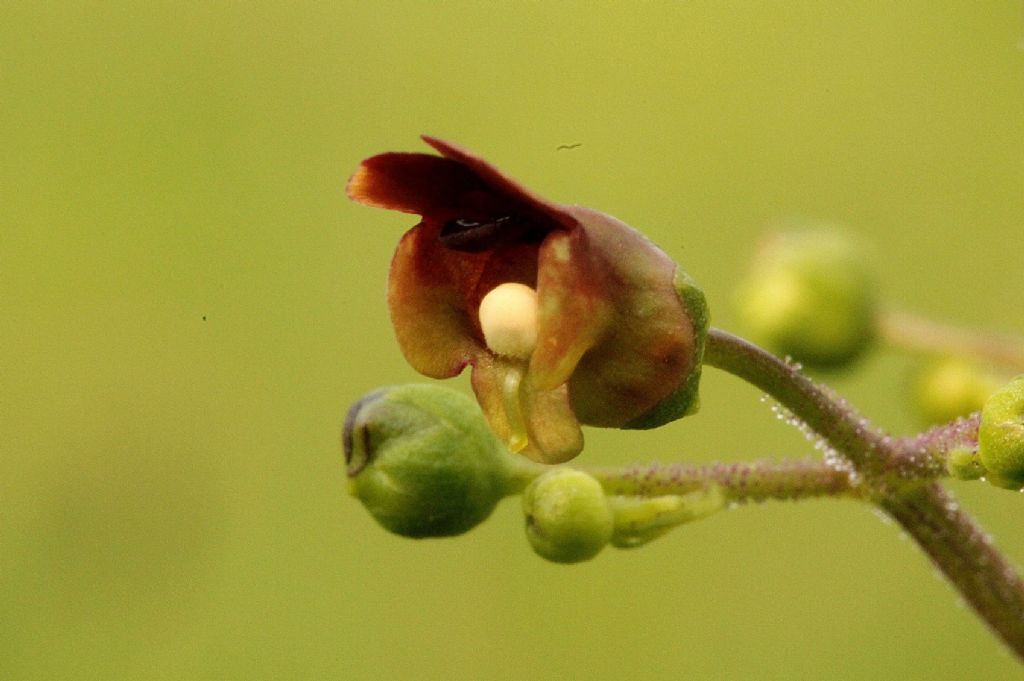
x=784, y=480
x=845, y=430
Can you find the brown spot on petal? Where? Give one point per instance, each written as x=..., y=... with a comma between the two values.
x=476, y=236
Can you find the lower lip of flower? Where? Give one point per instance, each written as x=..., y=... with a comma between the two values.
x=508, y=319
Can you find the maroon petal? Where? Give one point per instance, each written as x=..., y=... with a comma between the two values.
x=428, y=306
x=500, y=184
x=413, y=183
x=574, y=310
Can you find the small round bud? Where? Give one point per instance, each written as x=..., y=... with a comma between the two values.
x=508, y=319
x=423, y=461
x=1001, y=436
x=963, y=464
x=950, y=388
x=811, y=296
x=568, y=518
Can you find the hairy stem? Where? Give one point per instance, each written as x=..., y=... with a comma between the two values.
x=827, y=415
x=928, y=452
x=965, y=554
x=917, y=334
x=789, y=479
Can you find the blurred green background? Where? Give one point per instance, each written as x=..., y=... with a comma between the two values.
x=189, y=304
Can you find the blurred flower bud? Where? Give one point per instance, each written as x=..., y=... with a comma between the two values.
x=1001, y=436
x=639, y=520
x=950, y=388
x=423, y=461
x=568, y=519
x=811, y=296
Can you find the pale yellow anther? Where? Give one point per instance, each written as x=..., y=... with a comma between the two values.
x=508, y=319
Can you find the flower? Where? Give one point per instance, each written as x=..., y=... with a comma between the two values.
x=589, y=322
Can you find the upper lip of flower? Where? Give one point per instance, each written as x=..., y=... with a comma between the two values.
x=479, y=229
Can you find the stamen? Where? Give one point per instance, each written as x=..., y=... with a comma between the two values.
x=518, y=437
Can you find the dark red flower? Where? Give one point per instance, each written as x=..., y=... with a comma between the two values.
x=619, y=328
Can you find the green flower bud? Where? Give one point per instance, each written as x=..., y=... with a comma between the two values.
x=1001, y=436
x=950, y=388
x=423, y=461
x=811, y=296
x=568, y=518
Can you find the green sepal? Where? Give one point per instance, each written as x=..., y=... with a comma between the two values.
x=639, y=520
x=963, y=464
x=685, y=400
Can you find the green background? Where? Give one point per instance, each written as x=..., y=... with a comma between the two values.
x=189, y=304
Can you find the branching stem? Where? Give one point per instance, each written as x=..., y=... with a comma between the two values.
x=896, y=474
